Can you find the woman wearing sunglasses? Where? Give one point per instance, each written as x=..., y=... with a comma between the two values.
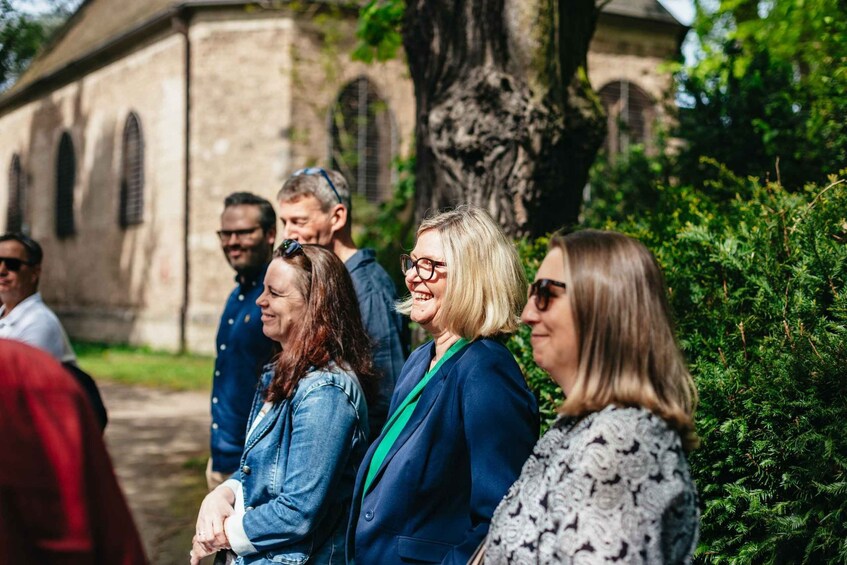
x=462, y=420
x=609, y=482
x=307, y=432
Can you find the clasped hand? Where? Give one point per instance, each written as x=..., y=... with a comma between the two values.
x=210, y=535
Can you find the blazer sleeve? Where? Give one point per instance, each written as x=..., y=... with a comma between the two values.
x=501, y=423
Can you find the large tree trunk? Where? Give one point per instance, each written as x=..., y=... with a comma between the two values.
x=506, y=118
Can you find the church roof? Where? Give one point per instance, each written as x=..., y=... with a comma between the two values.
x=95, y=24
x=641, y=9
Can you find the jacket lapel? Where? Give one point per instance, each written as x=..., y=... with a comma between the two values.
x=265, y=425
x=429, y=395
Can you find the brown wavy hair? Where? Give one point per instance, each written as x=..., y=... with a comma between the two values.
x=628, y=353
x=331, y=328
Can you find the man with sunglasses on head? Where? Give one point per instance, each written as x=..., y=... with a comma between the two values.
x=247, y=235
x=315, y=207
x=24, y=316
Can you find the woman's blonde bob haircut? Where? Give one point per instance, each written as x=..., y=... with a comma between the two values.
x=486, y=284
x=628, y=355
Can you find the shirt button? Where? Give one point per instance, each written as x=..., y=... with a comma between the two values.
x=248, y=509
x=231, y=321
x=217, y=373
x=223, y=346
x=369, y=515
x=245, y=469
x=241, y=297
x=214, y=425
x=214, y=400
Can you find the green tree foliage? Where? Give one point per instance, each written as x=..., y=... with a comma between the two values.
x=766, y=96
x=20, y=38
x=22, y=33
x=378, y=32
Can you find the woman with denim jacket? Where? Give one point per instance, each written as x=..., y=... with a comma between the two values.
x=308, y=429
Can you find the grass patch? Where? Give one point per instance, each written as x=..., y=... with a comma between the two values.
x=142, y=366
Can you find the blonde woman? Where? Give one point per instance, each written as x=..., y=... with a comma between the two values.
x=462, y=420
x=609, y=482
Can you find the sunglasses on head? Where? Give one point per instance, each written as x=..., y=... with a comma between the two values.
x=323, y=173
x=13, y=263
x=288, y=247
x=540, y=289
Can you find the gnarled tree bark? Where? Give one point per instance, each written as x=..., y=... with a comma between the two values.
x=506, y=118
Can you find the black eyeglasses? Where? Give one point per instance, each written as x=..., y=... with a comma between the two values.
x=323, y=173
x=288, y=247
x=424, y=266
x=540, y=289
x=13, y=263
x=240, y=235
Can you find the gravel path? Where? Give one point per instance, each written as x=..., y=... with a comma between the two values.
x=159, y=441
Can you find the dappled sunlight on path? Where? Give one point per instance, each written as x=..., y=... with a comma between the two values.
x=158, y=441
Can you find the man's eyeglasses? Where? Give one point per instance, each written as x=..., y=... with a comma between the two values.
x=13, y=263
x=288, y=247
x=540, y=289
x=240, y=235
x=323, y=173
x=424, y=266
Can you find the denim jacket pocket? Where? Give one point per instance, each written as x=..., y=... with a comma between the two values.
x=296, y=555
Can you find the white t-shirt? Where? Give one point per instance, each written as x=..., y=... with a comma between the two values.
x=32, y=322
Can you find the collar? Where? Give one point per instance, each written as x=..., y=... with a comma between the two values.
x=359, y=258
x=20, y=310
x=258, y=278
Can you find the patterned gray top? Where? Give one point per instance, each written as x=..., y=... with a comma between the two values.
x=614, y=486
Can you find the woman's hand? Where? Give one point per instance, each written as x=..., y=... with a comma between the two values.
x=198, y=552
x=216, y=508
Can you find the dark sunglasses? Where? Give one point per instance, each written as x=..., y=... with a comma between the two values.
x=13, y=263
x=424, y=266
x=540, y=289
x=288, y=247
x=323, y=173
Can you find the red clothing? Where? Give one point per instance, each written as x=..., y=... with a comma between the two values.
x=60, y=502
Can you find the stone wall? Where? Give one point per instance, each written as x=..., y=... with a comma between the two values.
x=262, y=89
x=105, y=282
x=240, y=113
x=621, y=52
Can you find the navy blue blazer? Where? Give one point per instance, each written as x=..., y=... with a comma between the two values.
x=432, y=499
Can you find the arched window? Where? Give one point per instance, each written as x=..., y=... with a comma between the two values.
x=630, y=115
x=362, y=139
x=16, y=212
x=132, y=174
x=65, y=180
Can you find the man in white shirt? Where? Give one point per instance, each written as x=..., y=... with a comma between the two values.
x=24, y=316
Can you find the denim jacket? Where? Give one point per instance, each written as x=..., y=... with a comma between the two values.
x=298, y=469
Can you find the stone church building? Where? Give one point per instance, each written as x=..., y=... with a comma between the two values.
x=123, y=137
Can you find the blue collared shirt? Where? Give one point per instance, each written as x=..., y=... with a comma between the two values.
x=388, y=329
x=242, y=351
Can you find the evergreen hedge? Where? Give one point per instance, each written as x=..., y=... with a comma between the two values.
x=757, y=280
